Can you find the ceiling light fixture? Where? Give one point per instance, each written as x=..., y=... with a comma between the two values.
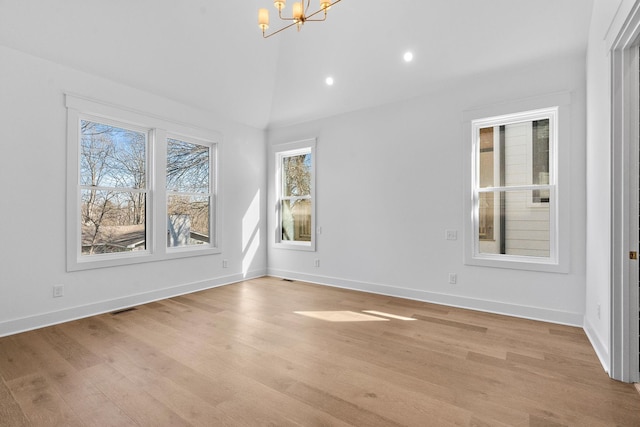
x=408, y=57
x=300, y=14
x=329, y=81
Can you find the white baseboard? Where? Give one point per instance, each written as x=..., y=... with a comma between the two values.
x=526, y=312
x=14, y=326
x=598, y=346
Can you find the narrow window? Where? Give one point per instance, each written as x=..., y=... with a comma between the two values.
x=188, y=193
x=295, y=189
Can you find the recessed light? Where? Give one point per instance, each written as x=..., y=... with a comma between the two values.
x=329, y=81
x=408, y=56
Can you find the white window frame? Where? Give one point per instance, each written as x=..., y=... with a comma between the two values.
x=80, y=108
x=288, y=150
x=557, y=109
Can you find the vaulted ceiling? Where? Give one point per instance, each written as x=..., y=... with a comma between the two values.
x=210, y=54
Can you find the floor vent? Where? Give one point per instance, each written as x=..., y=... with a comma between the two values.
x=288, y=280
x=124, y=310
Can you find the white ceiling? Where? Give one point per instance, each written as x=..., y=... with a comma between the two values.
x=210, y=54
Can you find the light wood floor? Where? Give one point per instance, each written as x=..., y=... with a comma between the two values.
x=242, y=355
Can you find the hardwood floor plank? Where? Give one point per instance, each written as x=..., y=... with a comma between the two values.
x=77, y=355
x=41, y=403
x=451, y=323
x=11, y=414
x=136, y=403
x=14, y=363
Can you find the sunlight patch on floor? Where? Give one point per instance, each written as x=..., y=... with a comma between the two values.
x=391, y=316
x=341, y=316
x=352, y=316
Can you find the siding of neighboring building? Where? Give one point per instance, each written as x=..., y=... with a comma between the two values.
x=527, y=223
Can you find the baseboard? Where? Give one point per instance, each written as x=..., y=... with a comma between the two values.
x=14, y=326
x=526, y=312
x=598, y=346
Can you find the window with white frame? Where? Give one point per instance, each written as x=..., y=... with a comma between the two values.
x=113, y=187
x=295, y=189
x=188, y=193
x=514, y=191
x=140, y=188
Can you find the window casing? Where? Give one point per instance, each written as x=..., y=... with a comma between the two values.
x=133, y=180
x=514, y=209
x=295, y=192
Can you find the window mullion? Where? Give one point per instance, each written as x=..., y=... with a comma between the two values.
x=158, y=191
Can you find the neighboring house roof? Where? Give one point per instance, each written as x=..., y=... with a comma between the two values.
x=126, y=236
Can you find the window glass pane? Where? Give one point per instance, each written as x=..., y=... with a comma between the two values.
x=187, y=167
x=296, y=220
x=112, y=221
x=519, y=227
x=296, y=175
x=487, y=213
x=515, y=144
x=111, y=156
x=515, y=154
x=487, y=153
x=540, y=155
x=188, y=222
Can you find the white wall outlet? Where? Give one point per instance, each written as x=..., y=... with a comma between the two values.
x=451, y=234
x=225, y=263
x=316, y=263
x=598, y=311
x=58, y=291
x=318, y=230
x=453, y=278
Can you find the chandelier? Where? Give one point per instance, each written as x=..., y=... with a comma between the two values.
x=299, y=16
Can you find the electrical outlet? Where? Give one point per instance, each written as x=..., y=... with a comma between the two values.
x=598, y=311
x=453, y=278
x=225, y=263
x=451, y=234
x=316, y=263
x=58, y=291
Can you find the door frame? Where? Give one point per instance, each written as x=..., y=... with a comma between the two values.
x=625, y=123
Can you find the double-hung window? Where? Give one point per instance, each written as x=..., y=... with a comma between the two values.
x=189, y=194
x=113, y=187
x=295, y=188
x=140, y=188
x=514, y=219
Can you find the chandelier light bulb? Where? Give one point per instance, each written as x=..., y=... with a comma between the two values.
x=297, y=10
x=263, y=19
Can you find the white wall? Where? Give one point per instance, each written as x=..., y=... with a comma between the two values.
x=389, y=183
x=32, y=201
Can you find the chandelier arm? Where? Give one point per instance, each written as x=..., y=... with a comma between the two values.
x=320, y=10
x=276, y=32
x=316, y=20
x=314, y=14
x=284, y=18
